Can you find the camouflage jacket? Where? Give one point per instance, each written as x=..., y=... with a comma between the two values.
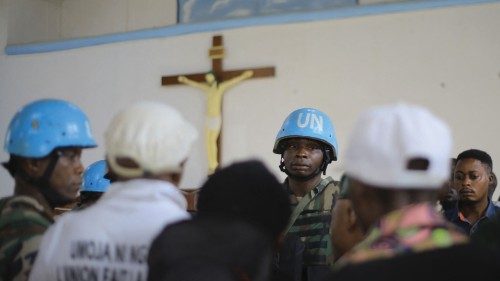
x=23, y=220
x=312, y=226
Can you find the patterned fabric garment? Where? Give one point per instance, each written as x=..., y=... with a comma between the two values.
x=414, y=228
x=312, y=226
x=23, y=220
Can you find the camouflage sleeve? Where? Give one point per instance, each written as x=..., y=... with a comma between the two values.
x=22, y=224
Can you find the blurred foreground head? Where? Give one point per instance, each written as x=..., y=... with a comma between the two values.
x=247, y=191
x=397, y=155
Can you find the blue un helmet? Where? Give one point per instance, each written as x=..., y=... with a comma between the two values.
x=41, y=126
x=93, y=177
x=312, y=124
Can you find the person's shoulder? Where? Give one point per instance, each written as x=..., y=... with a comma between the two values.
x=329, y=184
x=496, y=206
x=328, y=189
x=23, y=220
x=25, y=209
x=18, y=202
x=328, y=181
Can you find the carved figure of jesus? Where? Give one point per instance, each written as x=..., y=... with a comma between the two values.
x=214, y=91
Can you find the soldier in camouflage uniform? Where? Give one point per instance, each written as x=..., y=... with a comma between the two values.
x=45, y=140
x=307, y=144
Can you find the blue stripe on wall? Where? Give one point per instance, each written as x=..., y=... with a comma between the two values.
x=181, y=29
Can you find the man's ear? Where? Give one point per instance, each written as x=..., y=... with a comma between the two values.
x=352, y=219
x=33, y=167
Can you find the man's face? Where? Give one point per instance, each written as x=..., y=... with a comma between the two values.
x=471, y=180
x=302, y=157
x=66, y=178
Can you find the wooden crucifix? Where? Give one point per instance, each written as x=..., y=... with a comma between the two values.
x=215, y=83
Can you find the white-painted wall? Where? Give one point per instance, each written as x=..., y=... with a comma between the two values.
x=446, y=59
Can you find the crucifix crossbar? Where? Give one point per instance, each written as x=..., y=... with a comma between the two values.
x=215, y=83
x=216, y=53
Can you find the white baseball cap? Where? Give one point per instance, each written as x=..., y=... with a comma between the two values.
x=152, y=134
x=386, y=138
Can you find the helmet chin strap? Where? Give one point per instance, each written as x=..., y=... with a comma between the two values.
x=43, y=183
x=53, y=197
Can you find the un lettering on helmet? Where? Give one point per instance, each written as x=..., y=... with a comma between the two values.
x=314, y=121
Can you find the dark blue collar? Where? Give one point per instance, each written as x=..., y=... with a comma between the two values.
x=492, y=209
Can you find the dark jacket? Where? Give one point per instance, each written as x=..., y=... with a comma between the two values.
x=461, y=262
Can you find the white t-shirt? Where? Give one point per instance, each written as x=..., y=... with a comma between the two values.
x=110, y=239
